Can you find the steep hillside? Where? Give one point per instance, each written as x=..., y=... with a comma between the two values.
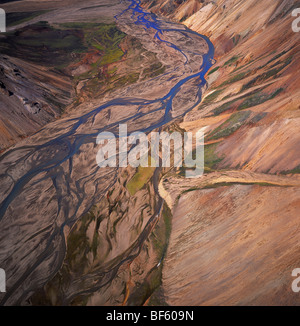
x=75, y=233
x=236, y=225
x=56, y=59
x=80, y=233
x=31, y=96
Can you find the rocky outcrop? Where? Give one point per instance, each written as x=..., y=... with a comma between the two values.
x=30, y=97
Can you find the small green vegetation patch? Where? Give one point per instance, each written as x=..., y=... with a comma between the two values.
x=231, y=60
x=258, y=99
x=296, y=170
x=246, y=101
x=211, y=159
x=229, y=184
x=268, y=74
x=138, y=181
x=211, y=97
x=213, y=70
x=230, y=126
x=236, y=78
x=225, y=107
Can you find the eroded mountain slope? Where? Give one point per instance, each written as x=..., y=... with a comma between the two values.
x=240, y=218
x=78, y=253
x=234, y=238
x=54, y=60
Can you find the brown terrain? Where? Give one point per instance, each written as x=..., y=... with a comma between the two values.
x=148, y=236
x=53, y=59
x=234, y=238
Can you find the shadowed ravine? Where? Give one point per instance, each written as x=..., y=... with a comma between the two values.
x=51, y=179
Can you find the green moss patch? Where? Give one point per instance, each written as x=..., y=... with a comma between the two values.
x=258, y=99
x=229, y=184
x=236, y=78
x=230, y=126
x=211, y=159
x=249, y=100
x=296, y=170
x=211, y=97
x=231, y=61
x=268, y=74
x=213, y=70
x=138, y=181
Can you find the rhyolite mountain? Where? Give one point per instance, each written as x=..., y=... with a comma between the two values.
x=228, y=238
x=234, y=238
